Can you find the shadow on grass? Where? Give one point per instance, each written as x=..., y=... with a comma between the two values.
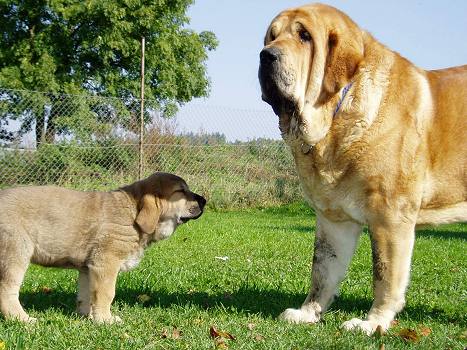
x=267, y=303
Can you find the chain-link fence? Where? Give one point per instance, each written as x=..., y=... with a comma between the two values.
x=93, y=143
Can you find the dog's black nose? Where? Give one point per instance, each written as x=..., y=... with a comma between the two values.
x=201, y=201
x=269, y=55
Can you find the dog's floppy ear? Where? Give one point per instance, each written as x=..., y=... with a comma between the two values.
x=148, y=215
x=344, y=55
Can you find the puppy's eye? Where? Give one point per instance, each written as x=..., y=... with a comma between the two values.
x=304, y=36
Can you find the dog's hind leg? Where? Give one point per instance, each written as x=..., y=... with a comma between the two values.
x=13, y=265
x=83, y=303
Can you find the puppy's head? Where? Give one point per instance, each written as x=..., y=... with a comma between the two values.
x=164, y=203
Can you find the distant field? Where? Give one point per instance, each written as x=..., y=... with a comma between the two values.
x=236, y=271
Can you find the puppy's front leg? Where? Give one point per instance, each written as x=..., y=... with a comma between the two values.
x=392, y=247
x=334, y=247
x=102, y=279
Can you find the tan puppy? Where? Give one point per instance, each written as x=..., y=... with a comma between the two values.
x=376, y=141
x=98, y=233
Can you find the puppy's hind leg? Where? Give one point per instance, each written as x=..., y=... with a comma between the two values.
x=12, y=270
x=83, y=303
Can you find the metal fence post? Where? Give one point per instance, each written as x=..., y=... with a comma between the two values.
x=141, y=127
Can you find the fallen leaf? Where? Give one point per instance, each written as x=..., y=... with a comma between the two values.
x=425, y=331
x=2, y=345
x=215, y=333
x=176, y=334
x=164, y=334
x=46, y=290
x=258, y=337
x=143, y=298
x=251, y=326
x=220, y=344
x=409, y=335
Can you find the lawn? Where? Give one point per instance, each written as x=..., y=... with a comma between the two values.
x=236, y=271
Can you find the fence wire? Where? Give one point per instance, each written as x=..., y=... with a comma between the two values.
x=92, y=143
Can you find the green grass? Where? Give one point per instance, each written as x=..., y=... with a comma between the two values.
x=269, y=255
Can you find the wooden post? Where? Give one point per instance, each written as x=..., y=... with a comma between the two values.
x=141, y=127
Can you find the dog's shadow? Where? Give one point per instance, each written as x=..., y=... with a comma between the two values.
x=267, y=304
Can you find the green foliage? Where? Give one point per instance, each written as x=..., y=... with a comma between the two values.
x=76, y=47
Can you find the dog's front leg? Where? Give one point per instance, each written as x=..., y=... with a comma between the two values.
x=334, y=247
x=392, y=247
x=102, y=279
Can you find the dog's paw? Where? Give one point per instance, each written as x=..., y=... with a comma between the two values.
x=106, y=320
x=365, y=326
x=299, y=316
x=28, y=319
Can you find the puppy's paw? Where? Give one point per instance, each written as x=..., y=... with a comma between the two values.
x=105, y=320
x=29, y=319
x=365, y=326
x=299, y=316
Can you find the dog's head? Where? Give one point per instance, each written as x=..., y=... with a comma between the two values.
x=309, y=54
x=164, y=202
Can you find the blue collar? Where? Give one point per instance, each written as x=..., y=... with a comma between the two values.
x=344, y=93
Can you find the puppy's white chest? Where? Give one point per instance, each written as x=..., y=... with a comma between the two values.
x=132, y=261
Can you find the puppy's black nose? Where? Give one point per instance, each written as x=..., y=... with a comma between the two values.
x=269, y=55
x=201, y=201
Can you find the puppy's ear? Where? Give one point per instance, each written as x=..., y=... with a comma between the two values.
x=344, y=55
x=148, y=215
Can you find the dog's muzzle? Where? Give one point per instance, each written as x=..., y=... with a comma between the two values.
x=274, y=80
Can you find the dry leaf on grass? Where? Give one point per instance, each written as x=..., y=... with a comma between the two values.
x=258, y=337
x=215, y=333
x=143, y=298
x=176, y=333
x=46, y=290
x=409, y=335
x=425, y=331
x=220, y=344
x=251, y=326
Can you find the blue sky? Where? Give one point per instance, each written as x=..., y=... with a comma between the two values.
x=431, y=34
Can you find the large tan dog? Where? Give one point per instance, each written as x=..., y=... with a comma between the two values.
x=98, y=233
x=376, y=141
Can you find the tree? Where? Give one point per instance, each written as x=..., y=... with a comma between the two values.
x=74, y=47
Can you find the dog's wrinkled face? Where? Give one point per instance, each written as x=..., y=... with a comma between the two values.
x=309, y=54
x=166, y=202
x=285, y=60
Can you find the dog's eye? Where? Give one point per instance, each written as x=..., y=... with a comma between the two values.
x=304, y=36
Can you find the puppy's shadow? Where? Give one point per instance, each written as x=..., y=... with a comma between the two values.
x=245, y=300
x=63, y=301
